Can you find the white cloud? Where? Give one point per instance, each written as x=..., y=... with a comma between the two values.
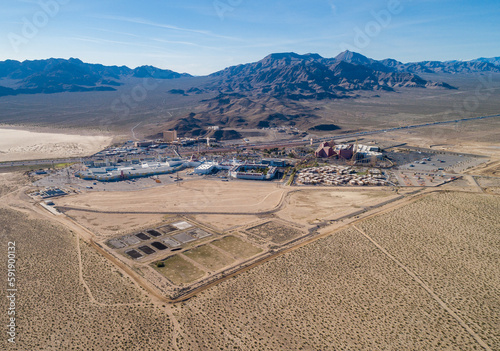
x=166, y=26
x=333, y=7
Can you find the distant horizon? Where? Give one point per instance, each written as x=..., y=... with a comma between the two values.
x=236, y=64
x=201, y=37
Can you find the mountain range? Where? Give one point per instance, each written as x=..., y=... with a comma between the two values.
x=271, y=92
x=282, y=75
x=73, y=75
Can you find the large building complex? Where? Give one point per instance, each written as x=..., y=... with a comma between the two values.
x=347, y=151
x=113, y=173
x=253, y=172
x=170, y=136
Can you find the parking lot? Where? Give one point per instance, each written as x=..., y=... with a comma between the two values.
x=66, y=178
x=443, y=162
x=424, y=179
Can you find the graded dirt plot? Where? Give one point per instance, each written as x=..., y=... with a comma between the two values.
x=339, y=293
x=171, y=242
x=311, y=205
x=490, y=169
x=192, y=196
x=276, y=232
x=452, y=242
x=225, y=222
x=489, y=184
x=179, y=271
x=183, y=238
x=209, y=257
x=106, y=225
x=236, y=247
x=54, y=308
x=25, y=145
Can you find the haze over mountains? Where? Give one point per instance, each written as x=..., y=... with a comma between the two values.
x=286, y=75
x=271, y=92
x=73, y=75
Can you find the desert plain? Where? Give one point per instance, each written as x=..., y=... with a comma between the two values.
x=421, y=274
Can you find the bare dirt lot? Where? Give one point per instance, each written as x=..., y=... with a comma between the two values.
x=106, y=225
x=223, y=222
x=26, y=145
x=10, y=182
x=489, y=184
x=277, y=232
x=312, y=205
x=202, y=195
x=472, y=137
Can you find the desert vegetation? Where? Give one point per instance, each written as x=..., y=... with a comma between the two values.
x=179, y=270
x=340, y=292
x=107, y=284
x=54, y=310
x=337, y=293
x=451, y=241
x=276, y=232
x=105, y=225
x=237, y=247
x=209, y=257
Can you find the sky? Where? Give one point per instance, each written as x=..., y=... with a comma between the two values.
x=203, y=36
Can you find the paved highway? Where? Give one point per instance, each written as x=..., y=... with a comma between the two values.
x=358, y=134
x=261, y=145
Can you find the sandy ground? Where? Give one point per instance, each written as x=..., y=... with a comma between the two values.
x=479, y=138
x=71, y=298
x=191, y=196
x=104, y=225
x=225, y=223
x=304, y=207
x=10, y=182
x=313, y=205
x=336, y=294
x=16, y=145
x=340, y=292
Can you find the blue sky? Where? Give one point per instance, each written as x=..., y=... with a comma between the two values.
x=203, y=36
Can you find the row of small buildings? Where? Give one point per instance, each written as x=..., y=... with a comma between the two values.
x=338, y=175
